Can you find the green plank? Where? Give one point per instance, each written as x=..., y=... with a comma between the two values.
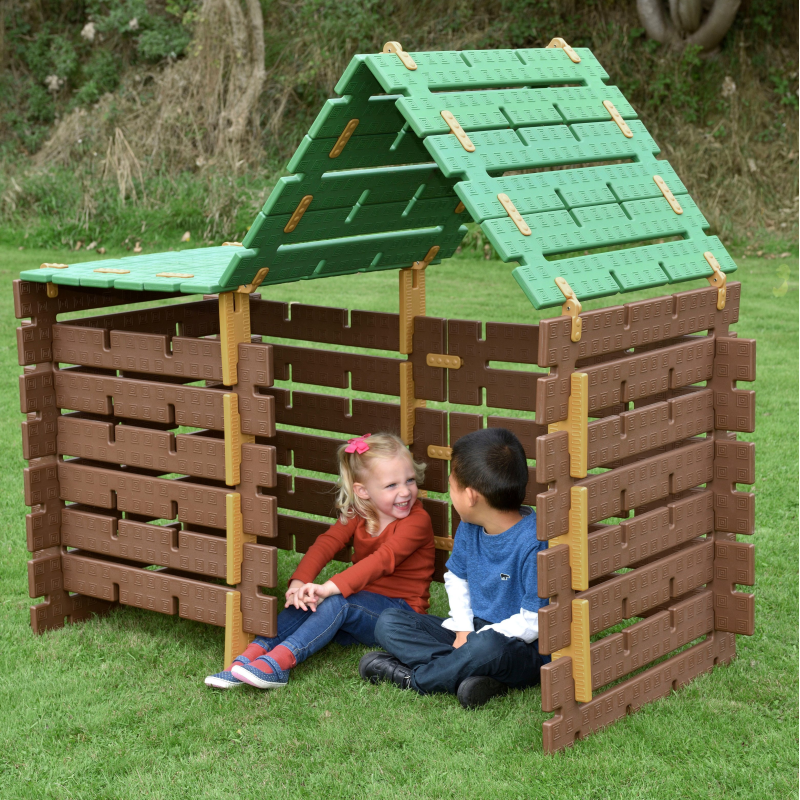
x=375, y=115
x=345, y=189
x=268, y=232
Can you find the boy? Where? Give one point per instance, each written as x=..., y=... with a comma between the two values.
x=489, y=642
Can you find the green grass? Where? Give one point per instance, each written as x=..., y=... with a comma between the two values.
x=116, y=707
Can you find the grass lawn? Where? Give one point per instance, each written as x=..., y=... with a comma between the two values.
x=116, y=707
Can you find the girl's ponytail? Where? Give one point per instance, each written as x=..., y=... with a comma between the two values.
x=354, y=464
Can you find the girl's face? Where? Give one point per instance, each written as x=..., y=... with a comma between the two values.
x=391, y=487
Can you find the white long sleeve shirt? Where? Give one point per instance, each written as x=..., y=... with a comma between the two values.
x=524, y=625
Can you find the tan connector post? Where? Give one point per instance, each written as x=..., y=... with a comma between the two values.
x=235, y=538
x=577, y=537
x=572, y=308
x=396, y=47
x=559, y=42
x=344, y=138
x=458, y=131
x=234, y=438
x=236, y=640
x=718, y=280
x=249, y=288
x=617, y=117
x=234, y=329
x=579, y=651
x=412, y=304
x=297, y=214
x=576, y=425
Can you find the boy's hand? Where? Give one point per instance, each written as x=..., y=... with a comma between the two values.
x=294, y=594
x=461, y=638
x=317, y=593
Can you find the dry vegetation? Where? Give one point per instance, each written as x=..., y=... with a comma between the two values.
x=231, y=112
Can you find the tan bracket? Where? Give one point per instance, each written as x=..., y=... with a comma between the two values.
x=445, y=362
x=235, y=538
x=617, y=117
x=232, y=244
x=579, y=651
x=236, y=640
x=512, y=212
x=174, y=275
x=577, y=537
x=234, y=438
x=249, y=288
x=297, y=214
x=396, y=47
x=572, y=308
x=52, y=289
x=112, y=271
x=336, y=151
x=53, y=266
x=576, y=425
x=718, y=280
x=459, y=132
x=559, y=42
x=444, y=453
x=443, y=542
x=234, y=329
x=460, y=208
x=662, y=184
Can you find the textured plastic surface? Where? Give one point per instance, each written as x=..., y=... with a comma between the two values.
x=380, y=178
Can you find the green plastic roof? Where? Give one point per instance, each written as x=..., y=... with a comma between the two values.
x=392, y=192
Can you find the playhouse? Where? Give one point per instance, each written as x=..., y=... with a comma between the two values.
x=166, y=445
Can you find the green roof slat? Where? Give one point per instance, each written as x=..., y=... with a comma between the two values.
x=374, y=114
x=360, y=152
x=527, y=148
x=525, y=107
x=622, y=270
x=345, y=189
x=268, y=232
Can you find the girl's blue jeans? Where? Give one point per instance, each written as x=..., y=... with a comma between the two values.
x=338, y=619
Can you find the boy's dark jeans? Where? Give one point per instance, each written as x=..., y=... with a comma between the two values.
x=420, y=641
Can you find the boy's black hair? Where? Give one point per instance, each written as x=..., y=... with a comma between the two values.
x=491, y=461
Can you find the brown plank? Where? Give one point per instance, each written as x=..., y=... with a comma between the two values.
x=340, y=370
x=629, y=595
x=574, y=721
x=633, y=433
x=170, y=404
x=430, y=336
x=156, y=498
x=373, y=329
x=161, y=451
x=334, y=413
x=611, y=330
x=628, y=487
x=503, y=342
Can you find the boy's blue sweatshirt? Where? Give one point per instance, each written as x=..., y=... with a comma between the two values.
x=500, y=568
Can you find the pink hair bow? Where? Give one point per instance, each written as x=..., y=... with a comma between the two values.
x=357, y=445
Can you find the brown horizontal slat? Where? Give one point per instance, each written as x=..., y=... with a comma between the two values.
x=199, y=318
x=373, y=329
x=162, y=451
x=576, y=721
x=632, y=433
x=156, y=498
x=627, y=487
x=309, y=495
x=159, y=590
x=616, y=655
x=170, y=404
x=149, y=353
x=165, y=546
x=645, y=322
x=340, y=370
x=332, y=413
x=629, y=595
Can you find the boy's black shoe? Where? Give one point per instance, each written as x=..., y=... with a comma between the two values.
x=378, y=666
x=479, y=690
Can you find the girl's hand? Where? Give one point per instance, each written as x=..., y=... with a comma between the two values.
x=327, y=589
x=291, y=593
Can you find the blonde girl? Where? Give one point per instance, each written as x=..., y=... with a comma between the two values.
x=393, y=555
